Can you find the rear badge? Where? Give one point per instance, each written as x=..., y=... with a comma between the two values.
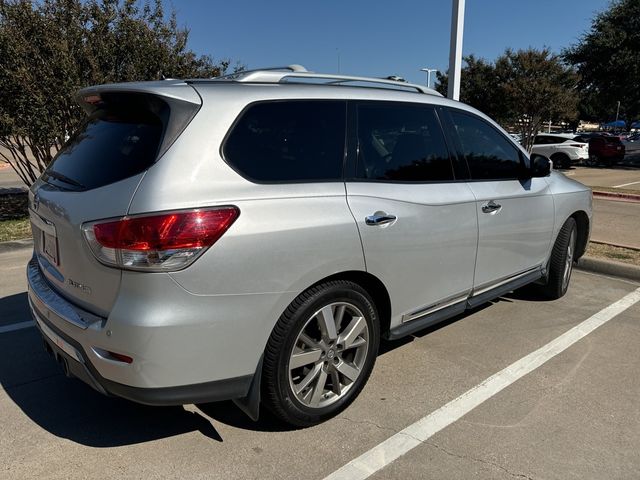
x=79, y=286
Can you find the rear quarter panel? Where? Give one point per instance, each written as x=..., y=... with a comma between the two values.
x=569, y=197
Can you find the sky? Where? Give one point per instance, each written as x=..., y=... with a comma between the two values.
x=375, y=38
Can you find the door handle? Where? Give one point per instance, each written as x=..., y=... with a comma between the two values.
x=379, y=218
x=490, y=207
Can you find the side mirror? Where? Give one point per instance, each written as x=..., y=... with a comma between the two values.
x=540, y=166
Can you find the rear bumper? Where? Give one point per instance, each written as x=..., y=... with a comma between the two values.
x=73, y=344
x=78, y=366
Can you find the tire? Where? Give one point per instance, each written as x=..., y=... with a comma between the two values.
x=592, y=161
x=339, y=361
x=561, y=262
x=563, y=161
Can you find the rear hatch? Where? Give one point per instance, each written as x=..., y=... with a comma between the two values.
x=94, y=177
x=614, y=144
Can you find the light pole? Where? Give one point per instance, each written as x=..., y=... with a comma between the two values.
x=429, y=70
x=455, y=49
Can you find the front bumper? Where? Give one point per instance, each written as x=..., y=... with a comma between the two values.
x=52, y=313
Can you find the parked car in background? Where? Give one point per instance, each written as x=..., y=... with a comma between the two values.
x=562, y=149
x=604, y=149
x=632, y=144
x=252, y=237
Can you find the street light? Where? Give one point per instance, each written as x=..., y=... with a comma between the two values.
x=429, y=70
x=455, y=49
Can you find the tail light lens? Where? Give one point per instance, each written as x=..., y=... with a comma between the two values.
x=158, y=243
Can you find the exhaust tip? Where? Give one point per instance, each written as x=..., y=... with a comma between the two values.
x=47, y=348
x=64, y=364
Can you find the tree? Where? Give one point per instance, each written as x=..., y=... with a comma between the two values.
x=478, y=87
x=607, y=57
x=51, y=49
x=523, y=88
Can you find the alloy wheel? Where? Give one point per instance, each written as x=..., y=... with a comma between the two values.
x=566, y=276
x=328, y=355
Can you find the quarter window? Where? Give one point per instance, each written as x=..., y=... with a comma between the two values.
x=289, y=141
x=489, y=154
x=401, y=143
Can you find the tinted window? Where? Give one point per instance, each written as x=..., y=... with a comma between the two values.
x=110, y=146
x=547, y=140
x=289, y=141
x=488, y=153
x=401, y=143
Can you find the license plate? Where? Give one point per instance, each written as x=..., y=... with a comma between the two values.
x=50, y=247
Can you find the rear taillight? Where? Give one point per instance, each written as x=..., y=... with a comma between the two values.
x=165, y=242
x=578, y=145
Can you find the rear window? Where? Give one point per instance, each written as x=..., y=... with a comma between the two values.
x=110, y=146
x=289, y=141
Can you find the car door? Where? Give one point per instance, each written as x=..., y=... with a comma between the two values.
x=515, y=212
x=418, y=225
x=544, y=145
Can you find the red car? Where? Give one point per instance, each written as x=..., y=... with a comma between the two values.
x=605, y=149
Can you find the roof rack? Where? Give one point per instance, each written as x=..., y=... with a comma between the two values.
x=291, y=73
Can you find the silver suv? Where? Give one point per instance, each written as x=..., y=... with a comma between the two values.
x=253, y=237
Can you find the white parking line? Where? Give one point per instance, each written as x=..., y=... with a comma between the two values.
x=17, y=326
x=402, y=442
x=625, y=184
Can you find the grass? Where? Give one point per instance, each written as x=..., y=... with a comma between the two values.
x=618, y=254
x=616, y=190
x=15, y=229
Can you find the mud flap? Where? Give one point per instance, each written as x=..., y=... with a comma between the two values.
x=251, y=403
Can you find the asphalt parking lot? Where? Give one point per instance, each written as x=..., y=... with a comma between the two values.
x=575, y=416
x=625, y=176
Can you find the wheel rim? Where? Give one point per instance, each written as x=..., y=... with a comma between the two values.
x=328, y=355
x=568, y=265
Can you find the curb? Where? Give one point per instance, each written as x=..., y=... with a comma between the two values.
x=618, y=245
x=16, y=245
x=619, y=196
x=609, y=267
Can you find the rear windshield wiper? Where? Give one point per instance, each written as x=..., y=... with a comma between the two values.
x=65, y=179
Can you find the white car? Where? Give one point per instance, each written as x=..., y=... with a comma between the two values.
x=562, y=149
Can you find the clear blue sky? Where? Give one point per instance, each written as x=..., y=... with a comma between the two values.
x=376, y=38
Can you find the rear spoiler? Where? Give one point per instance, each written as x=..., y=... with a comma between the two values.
x=174, y=102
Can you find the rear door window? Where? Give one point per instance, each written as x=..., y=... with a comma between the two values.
x=289, y=141
x=401, y=142
x=110, y=146
x=489, y=154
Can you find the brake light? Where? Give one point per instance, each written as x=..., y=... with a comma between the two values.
x=578, y=145
x=166, y=242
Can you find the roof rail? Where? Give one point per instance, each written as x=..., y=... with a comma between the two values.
x=292, y=73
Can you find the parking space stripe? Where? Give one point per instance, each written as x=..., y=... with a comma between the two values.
x=625, y=184
x=17, y=326
x=402, y=442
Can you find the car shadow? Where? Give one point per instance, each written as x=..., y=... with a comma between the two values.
x=68, y=408
x=14, y=309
